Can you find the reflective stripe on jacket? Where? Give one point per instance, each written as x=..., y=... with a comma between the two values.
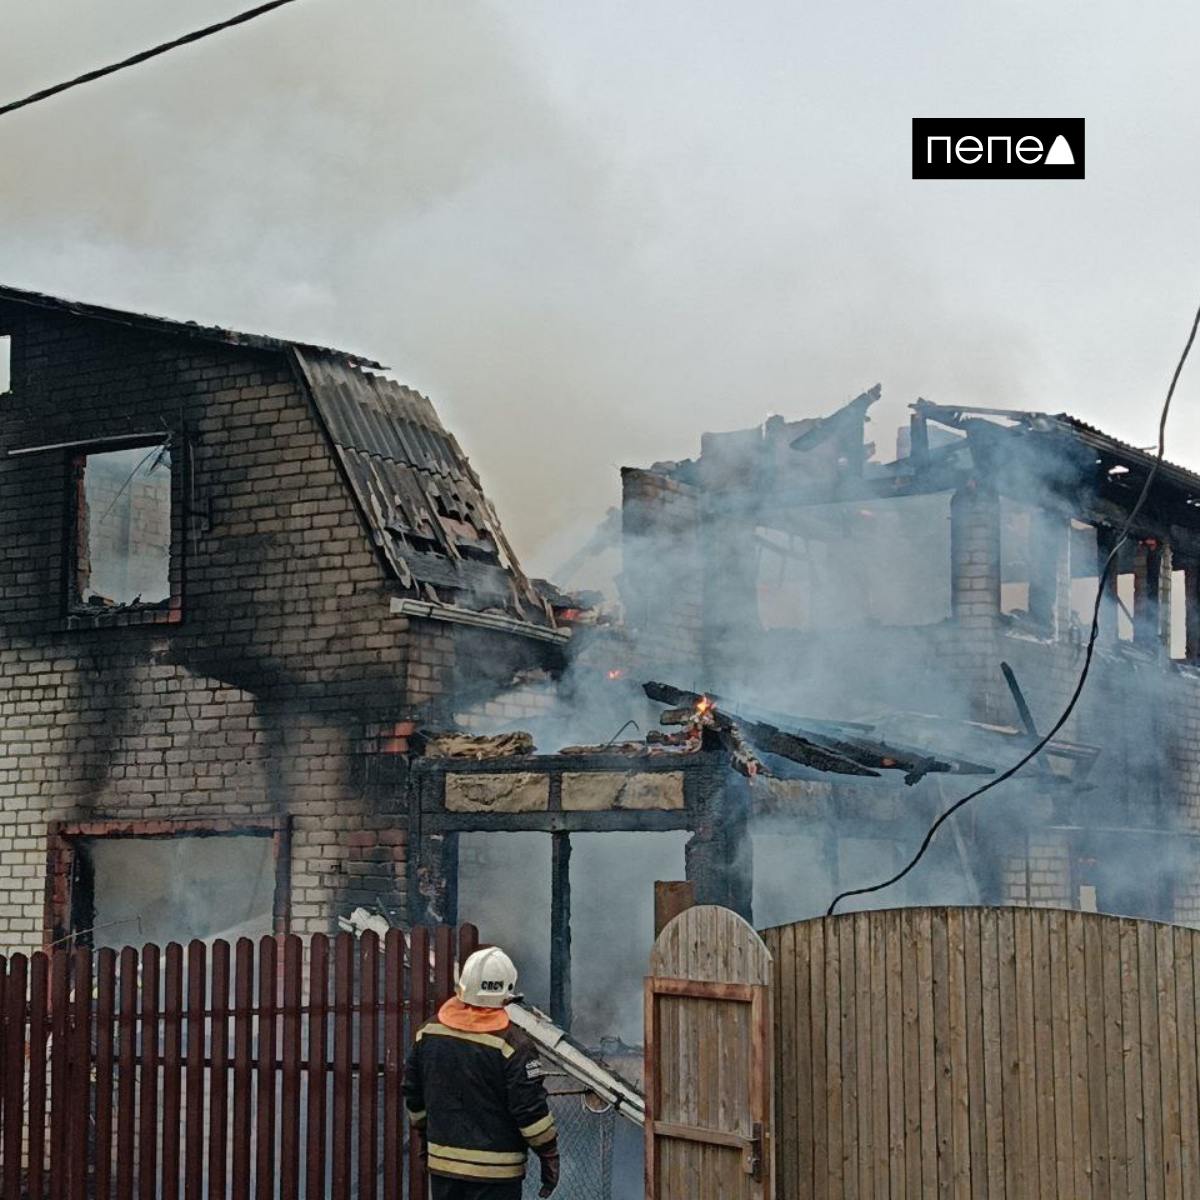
x=480, y=1099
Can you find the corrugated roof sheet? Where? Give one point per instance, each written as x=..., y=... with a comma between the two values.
x=1135, y=455
x=422, y=500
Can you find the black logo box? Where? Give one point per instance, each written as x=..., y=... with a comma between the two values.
x=994, y=148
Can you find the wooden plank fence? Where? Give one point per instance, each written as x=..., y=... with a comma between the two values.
x=261, y=1071
x=1003, y=1053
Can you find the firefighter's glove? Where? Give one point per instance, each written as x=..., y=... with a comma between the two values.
x=549, y=1173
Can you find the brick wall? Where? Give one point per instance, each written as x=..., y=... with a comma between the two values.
x=284, y=652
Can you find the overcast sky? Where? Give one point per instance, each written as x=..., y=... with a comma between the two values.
x=591, y=232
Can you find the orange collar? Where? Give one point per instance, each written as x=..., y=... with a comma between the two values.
x=457, y=1015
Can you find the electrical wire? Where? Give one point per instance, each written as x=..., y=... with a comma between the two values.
x=1109, y=564
x=133, y=60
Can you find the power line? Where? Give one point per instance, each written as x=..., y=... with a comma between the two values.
x=100, y=72
x=1109, y=564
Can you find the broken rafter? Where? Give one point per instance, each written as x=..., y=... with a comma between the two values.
x=843, y=754
x=764, y=737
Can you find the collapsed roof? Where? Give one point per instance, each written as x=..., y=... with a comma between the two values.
x=1022, y=453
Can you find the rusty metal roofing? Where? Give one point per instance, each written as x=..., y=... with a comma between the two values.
x=210, y=333
x=420, y=497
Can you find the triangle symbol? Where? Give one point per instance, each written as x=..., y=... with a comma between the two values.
x=1059, y=154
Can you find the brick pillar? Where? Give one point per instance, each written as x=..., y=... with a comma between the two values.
x=975, y=555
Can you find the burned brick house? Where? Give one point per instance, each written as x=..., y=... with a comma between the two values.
x=234, y=569
x=942, y=598
x=844, y=645
x=256, y=612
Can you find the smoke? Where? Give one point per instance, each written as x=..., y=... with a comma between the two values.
x=589, y=235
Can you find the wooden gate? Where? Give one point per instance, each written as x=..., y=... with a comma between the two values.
x=270, y=1070
x=709, y=1061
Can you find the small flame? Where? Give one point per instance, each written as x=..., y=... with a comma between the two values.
x=703, y=706
x=616, y=673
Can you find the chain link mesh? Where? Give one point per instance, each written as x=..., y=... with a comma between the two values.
x=585, y=1144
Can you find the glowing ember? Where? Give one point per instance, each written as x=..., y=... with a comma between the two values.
x=616, y=673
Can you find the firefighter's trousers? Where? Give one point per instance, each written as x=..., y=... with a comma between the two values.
x=462, y=1189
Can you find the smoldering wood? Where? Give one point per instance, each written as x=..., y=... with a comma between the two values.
x=821, y=751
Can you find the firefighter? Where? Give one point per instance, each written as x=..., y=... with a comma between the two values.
x=473, y=1089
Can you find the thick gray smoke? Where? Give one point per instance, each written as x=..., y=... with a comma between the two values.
x=590, y=233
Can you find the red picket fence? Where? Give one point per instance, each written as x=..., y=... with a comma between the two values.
x=261, y=1071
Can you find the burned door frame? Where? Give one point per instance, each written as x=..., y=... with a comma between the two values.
x=714, y=809
x=63, y=863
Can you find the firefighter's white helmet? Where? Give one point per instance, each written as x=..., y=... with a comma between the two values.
x=488, y=979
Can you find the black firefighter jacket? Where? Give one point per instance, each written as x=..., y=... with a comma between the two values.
x=479, y=1098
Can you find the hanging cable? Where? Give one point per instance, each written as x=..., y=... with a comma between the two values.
x=132, y=61
x=1042, y=743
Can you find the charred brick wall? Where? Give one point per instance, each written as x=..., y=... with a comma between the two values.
x=255, y=694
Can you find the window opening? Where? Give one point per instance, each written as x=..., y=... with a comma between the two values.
x=173, y=889
x=1016, y=522
x=123, y=528
x=1084, y=575
x=1179, y=601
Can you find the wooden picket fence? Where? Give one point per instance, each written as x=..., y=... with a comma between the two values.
x=260, y=1071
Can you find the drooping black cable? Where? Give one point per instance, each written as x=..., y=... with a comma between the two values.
x=132, y=61
x=1109, y=564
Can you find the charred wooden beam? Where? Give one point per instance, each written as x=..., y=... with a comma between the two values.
x=765, y=737
x=822, y=751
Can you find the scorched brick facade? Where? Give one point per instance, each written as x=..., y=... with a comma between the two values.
x=267, y=688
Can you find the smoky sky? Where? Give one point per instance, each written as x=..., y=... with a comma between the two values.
x=590, y=233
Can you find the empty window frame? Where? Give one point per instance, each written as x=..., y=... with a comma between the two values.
x=1085, y=575
x=127, y=883
x=1031, y=549
x=5, y=363
x=122, y=528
